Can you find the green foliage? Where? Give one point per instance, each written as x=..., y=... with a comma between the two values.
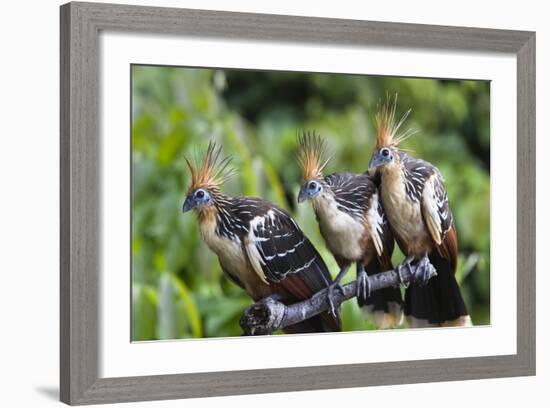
x=178, y=290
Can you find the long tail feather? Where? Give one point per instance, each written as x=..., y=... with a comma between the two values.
x=383, y=307
x=440, y=302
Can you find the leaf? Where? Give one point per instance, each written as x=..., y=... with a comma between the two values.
x=178, y=314
x=167, y=312
x=144, y=305
x=189, y=307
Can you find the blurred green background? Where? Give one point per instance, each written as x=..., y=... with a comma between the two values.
x=178, y=290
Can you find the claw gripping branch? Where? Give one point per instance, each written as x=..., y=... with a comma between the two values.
x=269, y=315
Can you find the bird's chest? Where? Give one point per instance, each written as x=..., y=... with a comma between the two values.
x=405, y=217
x=232, y=257
x=343, y=234
x=229, y=251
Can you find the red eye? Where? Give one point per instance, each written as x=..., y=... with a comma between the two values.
x=385, y=152
x=312, y=185
x=200, y=194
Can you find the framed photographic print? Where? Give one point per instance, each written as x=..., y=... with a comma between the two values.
x=292, y=180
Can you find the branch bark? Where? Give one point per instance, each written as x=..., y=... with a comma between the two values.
x=269, y=314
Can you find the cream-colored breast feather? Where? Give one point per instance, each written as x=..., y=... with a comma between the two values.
x=404, y=214
x=342, y=233
x=232, y=257
x=229, y=251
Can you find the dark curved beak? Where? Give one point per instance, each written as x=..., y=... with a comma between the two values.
x=188, y=204
x=302, y=195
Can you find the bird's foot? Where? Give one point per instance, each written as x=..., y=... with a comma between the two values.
x=424, y=271
x=363, y=287
x=406, y=264
x=331, y=295
x=275, y=297
x=336, y=285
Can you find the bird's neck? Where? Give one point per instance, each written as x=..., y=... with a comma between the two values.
x=324, y=205
x=392, y=175
x=392, y=179
x=214, y=220
x=207, y=216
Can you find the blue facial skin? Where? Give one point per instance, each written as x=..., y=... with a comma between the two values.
x=198, y=198
x=381, y=157
x=309, y=190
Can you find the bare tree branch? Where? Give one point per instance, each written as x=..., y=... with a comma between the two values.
x=269, y=314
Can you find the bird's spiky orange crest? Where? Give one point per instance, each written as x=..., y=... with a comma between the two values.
x=388, y=132
x=312, y=155
x=210, y=172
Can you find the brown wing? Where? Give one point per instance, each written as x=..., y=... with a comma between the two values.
x=440, y=302
x=438, y=218
x=279, y=250
x=381, y=233
x=449, y=247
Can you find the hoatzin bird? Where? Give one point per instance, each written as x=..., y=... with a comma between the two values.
x=416, y=204
x=259, y=246
x=352, y=222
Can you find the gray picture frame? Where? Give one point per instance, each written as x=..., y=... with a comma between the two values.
x=81, y=24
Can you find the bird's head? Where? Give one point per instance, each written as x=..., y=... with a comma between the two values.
x=388, y=137
x=311, y=157
x=207, y=175
x=382, y=157
x=198, y=199
x=310, y=189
